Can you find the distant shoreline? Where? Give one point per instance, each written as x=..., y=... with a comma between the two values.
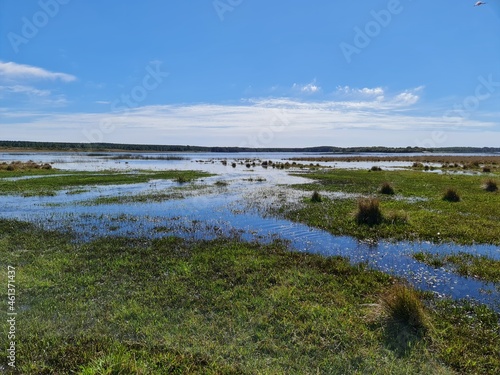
x=28, y=146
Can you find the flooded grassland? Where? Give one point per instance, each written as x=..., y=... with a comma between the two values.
x=203, y=263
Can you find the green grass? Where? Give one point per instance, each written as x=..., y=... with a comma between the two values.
x=425, y=215
x=49, y=185
x=479, y=267
x=136, y=306
x=148, y=197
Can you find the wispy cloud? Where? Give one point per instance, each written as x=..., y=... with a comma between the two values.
x=14, y=71
x=309, y=88
x=347, y=90
x=367, y=122
x=21, y=89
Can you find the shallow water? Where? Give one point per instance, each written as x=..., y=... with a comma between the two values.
x=226, y=211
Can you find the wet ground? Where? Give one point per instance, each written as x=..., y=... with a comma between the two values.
x=235, y=202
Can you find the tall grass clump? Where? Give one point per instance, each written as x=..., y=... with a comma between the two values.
x=316, y=197
x=369, y=212
x=402, y=305
x=490, y=186
x=181, y=180
x=387, y=189
x=451, y=195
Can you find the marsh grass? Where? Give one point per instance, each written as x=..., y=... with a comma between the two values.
x=468, y=265
x=369, y=212
x=24, y=166
x=386, y=189
x=402, y=305
x=451, y=195
x=168, y=306
x=49, y=185
x=491, y=186
x=418, y=196
x=316, y=197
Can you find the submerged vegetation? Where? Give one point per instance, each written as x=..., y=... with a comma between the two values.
x=121, y=305
x=479, y=267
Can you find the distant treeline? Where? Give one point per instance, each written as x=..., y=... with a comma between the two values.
x=92, y=147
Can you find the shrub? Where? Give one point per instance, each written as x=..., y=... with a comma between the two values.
x=375, y=169
x=491, y=186
x=486, y=169
x=316, y=197
x=402, y=305
x=386, y=188
x=369, y=212
x=451, y=195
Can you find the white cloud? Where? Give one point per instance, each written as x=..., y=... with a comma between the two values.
x=28, y=90
x=310, y=88
x=276, y=122
x=14, y=71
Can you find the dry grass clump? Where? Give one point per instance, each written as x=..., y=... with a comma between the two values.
x=402, y=305
x=23, y=166
x=316, y=197
x=490, y=186
x=387, y=189
x=451, y=195
x=369, y=212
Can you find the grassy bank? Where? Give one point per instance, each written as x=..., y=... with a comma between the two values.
x=416, y=210
x=123, y=306
x=50, y=185
x=478, y=267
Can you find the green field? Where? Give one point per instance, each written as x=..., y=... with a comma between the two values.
x=122, y=306
x=416, y=211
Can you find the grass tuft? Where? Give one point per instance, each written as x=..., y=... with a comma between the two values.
x=387, y=189
x=369, y=212
x=490, y=186
x=402, y=305
x=451, y=195
x=316, y=197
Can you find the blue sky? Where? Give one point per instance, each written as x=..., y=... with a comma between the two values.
x=251, y=72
